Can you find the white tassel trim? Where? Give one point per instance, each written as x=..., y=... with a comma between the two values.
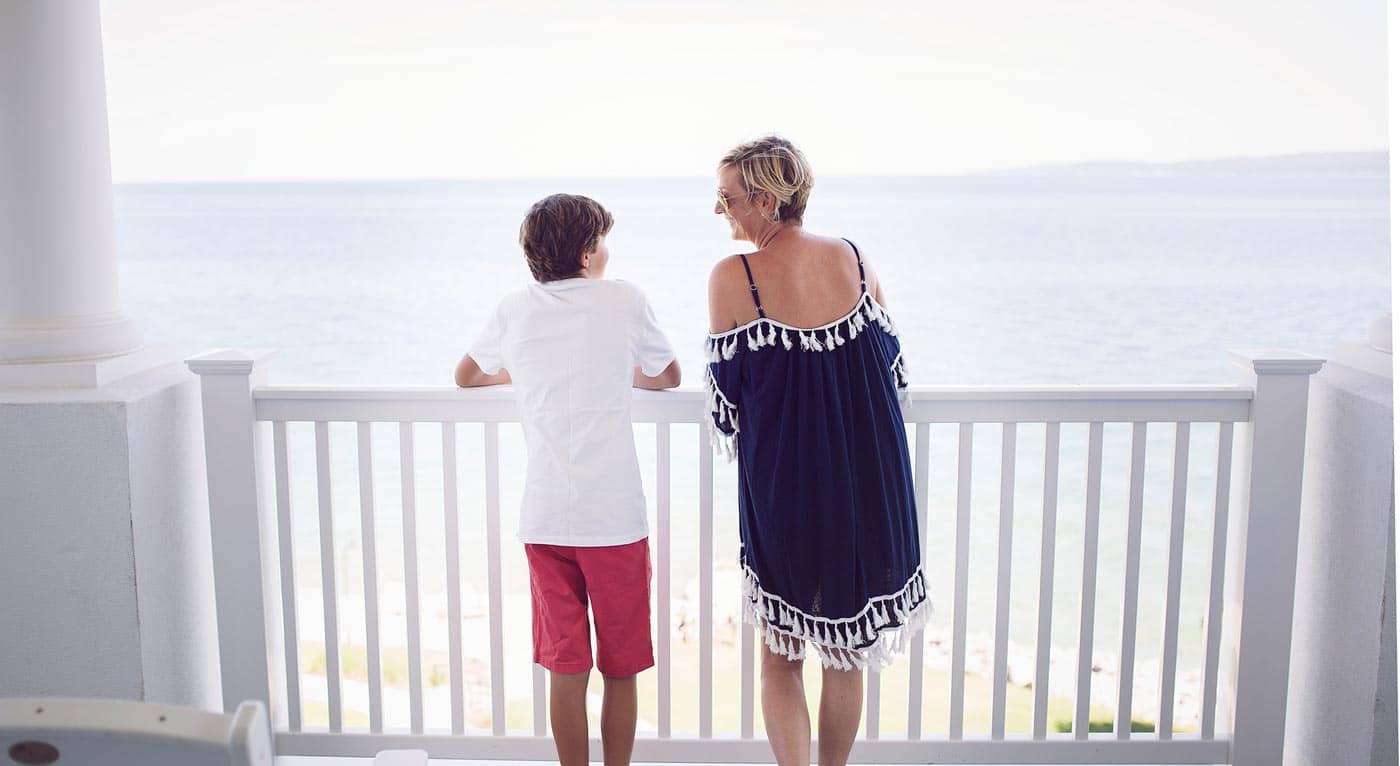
x=719, y=407
x=766, y=332
x=871, y=638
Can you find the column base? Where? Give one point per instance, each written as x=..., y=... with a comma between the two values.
x=68, y=339
x=86, y=373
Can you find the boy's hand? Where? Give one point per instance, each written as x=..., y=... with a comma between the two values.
x=669, y=377
x=469, y=374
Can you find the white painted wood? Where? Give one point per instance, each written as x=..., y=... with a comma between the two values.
x=452, y=546
x=1210, y=665
x=1049, y=504
x=1003, y=606
x=408, y=484
x=1172, y=616
x=330, y=612
x=707, y=576
x=537, y=678
x=872, y=703
x=492, y=457
x=244, y=551
x=956, y=692
x=1263, y=560
x=663, y=580
x=292, y=668
x=1018, y=750
x=1280, y=414
x=368, y=550
x=1132, y=571
x=916, y=648
x=746, y=675
x=1087, y=582
x=928, y=404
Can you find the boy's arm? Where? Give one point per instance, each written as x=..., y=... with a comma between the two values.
x=669, y=377
x=469, y=374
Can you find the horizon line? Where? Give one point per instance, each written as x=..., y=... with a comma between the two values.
x=995, y=171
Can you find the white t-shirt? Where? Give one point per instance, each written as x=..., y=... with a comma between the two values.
x=570, y=347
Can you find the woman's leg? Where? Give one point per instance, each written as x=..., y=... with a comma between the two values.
x=838, y=718
x=785, y=709
x=619, y=719
x=568, y=717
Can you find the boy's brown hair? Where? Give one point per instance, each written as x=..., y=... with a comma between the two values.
x=557, y=230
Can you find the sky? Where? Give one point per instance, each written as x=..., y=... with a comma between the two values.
x=371, y=89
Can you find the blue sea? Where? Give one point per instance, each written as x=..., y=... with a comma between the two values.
x=1108, y=275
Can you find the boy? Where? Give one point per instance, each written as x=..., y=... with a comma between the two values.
x=574, y=345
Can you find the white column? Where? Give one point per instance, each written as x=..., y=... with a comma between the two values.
x=58, y=274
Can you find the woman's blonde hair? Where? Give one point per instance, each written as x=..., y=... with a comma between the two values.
x=774, y=165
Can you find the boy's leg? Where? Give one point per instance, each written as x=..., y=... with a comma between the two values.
x=568, y=717
x=619, y=719
x=559, y=617
x=619, y=587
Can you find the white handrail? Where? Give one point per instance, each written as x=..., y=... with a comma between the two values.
x=1248, y=604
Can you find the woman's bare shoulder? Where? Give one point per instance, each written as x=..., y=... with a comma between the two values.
x=729, y=270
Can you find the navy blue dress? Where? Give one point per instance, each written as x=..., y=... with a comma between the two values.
x=827, y=520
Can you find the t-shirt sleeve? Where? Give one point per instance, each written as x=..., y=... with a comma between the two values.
x=650, y=348
x=488, y=348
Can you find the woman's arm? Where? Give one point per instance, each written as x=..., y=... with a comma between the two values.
x=470, y=375
x=669, y=378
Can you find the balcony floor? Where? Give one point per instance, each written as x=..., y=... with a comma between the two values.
x=295, y=760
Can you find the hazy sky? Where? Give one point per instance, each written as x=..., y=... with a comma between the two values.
x=295, y=89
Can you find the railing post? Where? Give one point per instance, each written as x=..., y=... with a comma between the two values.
x=1263, y=557
x=243, y=547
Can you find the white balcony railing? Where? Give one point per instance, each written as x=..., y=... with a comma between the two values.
x=1247, y=611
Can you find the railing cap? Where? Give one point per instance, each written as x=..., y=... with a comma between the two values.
x=1275, y=362
x=228, y=361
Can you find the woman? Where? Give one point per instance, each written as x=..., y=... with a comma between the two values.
x=803, y=377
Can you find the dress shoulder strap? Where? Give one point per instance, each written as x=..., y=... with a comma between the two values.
x=859, y=263
x=753, y=288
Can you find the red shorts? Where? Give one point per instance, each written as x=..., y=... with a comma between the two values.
x=617, y=579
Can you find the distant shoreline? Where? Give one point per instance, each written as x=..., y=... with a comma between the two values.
x=1351, y=163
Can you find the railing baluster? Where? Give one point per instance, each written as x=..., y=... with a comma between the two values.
x=407, y=483
x=330, y=615
x=707, y=571
x=454, y=575
x=1088, y=582
x=1167, y=687
x=872, y=703
x=1049, y=504
x=492, y=457
x=537, y=680
x=960, y=563
x=1210, y=666
x=746, y=681
x=371, y=578
x=1003, y=615
x=916, y=650
x=663, y=580
x=1132, y=570
x=288, y=566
